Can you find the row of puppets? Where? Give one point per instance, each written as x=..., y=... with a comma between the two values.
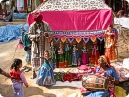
x=75, y=54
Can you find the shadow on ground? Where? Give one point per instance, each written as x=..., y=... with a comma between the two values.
x=30, y=91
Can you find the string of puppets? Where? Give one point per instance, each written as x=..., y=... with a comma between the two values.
x=69, y=56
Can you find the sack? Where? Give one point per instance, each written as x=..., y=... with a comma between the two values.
x=25, y=39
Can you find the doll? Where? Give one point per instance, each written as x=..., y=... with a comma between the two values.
x=84, y=56
x=61, y=56
x=75, y=55
x=53, y=53
x=68, y=56
x=94, y=54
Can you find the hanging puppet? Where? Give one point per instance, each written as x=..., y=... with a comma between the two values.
x=75, y=55
x=61, y=56
x=68, y=56
x=53, y=53
x=94, y=54
x=84, y=56
x=110, y=44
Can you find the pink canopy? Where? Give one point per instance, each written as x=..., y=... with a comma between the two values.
x=76, y=20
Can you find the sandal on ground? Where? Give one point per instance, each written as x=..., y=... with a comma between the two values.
x=33, y=76
x=23, y=68
x=27, y=69
x=126, y=84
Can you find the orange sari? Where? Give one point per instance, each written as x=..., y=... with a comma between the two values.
x=110, y=44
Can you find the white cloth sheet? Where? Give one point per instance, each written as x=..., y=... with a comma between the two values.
x=19, y=4
x=124, y=22
x=76, y=84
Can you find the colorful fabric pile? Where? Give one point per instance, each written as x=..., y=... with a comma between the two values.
x=121, y=71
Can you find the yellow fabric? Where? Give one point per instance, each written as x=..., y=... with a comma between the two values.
x=120, y=92
x=105, y=60
x=78, y=94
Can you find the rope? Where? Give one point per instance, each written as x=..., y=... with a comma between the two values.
x=11, y=61
x=13, y=56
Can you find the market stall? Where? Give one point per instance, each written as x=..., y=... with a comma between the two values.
x=78, y=29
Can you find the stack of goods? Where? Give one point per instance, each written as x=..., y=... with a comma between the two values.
x=74, y=74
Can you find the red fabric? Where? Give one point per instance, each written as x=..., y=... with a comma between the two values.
x=25, y=4
x=76, y=20
x=69, y=77
x=38, y=17
x=15, y=74
x=110, y=25
x=41, y=1
x=61, y=65
x=94, y=55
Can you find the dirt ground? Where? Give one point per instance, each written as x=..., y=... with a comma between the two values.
x=6, y=54
x=7, y=51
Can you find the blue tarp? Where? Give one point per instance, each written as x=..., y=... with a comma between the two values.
x=19, y=15
x=11, y=32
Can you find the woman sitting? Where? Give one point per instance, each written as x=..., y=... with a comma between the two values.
x=105, y=69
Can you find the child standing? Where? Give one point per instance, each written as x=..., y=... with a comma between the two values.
x=18, y=78
x=45, y=75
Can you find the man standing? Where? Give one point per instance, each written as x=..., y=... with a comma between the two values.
x=37, y=32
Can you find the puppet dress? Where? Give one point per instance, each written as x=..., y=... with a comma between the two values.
x=84, y=57
x=53, y=54
x=94, y=55
x=45, y=75
x=110, y=47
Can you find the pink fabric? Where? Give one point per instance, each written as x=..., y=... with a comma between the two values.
x=84, y=59
x=120, y=71
x=83, y=67
x=22, y=76
x=76, y=20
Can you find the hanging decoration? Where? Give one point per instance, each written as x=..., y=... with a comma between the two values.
x=63, y=39
x=70, y=40
x=85, y=40
x=56, y=39
x=100, y=38
x=78, y=39
x=50, y=39
x=79, y=34
x=93, y=39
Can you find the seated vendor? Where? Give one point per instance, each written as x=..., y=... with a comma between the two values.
x=21, y=10
x=16, y=11
x=105, y=69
